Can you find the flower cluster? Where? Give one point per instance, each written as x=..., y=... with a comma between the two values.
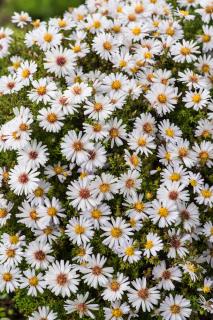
x=106, y=156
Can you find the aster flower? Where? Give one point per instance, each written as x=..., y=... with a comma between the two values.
x=61, y=279
x=141, y=296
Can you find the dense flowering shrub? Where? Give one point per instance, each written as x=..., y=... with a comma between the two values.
x=106, y=158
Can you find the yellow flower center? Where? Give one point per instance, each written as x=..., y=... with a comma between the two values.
x=185, y=51
x=206, y=193
x=33, y=215
x=77, y=146
x=184, y=12
x=51, y=117
x=182, y=152
x=116, y=85
x=206, y=289
x=130, y=183
x=147, y=55
x=113, y=132
x=3, y=212
x=129, y=251
x=205, y=134
x=132, y=222
x=62, y=23
x=203, y=155
x=205, y=68
x=76, y=48
x=139, y=206
x=170, y=31
x=193, y=182
x=38, y=192
x=36, y=23
x=116, y=232
x=162, y=98
x=134, y=160
x=139, y=8
x=104, y=187
x=209, y=9
x=196, y=98
x=136, y=31
x=58, y=169
x=33, y=281
x=7, y=276
x=122, y=63
x=51, y=211
x=163, y=212
x=141, y=142
x=149, y=244
x=10, y=253
x=169, y=132
x=97, y=127
x=107, y=45
x=79, y=229
x=42, y=90
x=175, y=309
x=117, y=313
x=206, y=38
x=116, y=28
x=168, y=156
x=96, y=24
x=48, y=230
x=25, y=73
x=98, y=106
x=114, y=285
x=191, y=267
x=14, y=239
x=96, y=214
x=16, y=64
x=81, y=252
x=48, y=37
x=175, y=176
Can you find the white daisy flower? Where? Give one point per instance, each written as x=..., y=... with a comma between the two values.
x=184, y=51
x=74, y=147
x=33, y=154
x=48, y=38
x=163, y=212
x=81, y=306
x=33, y=282
x=62, y=279
x=115, y=232
x=10, y=278
x=196, y=99
x=23, y=179
x=43, y=90
x=175, y=307
x=115, y=287
x=37, y=255
x=162, y=98
x=94, y=272
x=21, y=19
x=43, y=313
x=116, y=311
x=59, y=60
x=80, y=230
x=81, y=194
x=165, y=276
x=141, y=296
x=152, y=245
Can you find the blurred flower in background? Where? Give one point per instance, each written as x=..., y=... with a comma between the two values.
x=42, y=9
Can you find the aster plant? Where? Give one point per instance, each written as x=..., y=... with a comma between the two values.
x=106, y=157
